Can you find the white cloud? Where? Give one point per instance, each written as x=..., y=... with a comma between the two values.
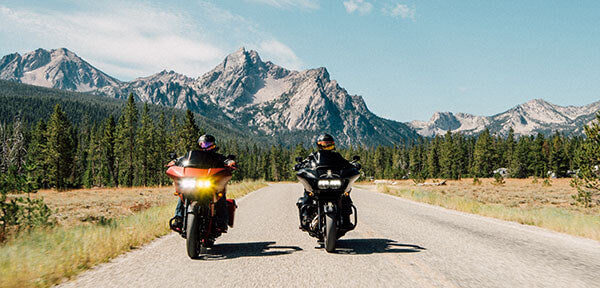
x=285, y=4
x=400, y=10
x=129, y=40
x=280, y=54
x=361, y=6
x=139, y=39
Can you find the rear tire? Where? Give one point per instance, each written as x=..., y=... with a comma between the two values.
x=330, y=232
x=193, y=239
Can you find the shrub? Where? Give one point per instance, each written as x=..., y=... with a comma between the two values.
x=499, y=180
x=20, y=213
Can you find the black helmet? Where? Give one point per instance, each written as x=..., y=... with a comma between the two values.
x=325, y=142
x=207, y=142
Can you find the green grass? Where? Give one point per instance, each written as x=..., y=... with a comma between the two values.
x=45, y=257
x=553, y=218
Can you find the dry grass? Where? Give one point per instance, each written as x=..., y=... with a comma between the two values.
x=91, y=205
x=517, y=200
x=46, y=257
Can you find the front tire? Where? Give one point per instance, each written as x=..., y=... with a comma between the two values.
x=330, y=232
x=193, y=238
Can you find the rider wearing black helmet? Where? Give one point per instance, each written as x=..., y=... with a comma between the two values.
x=325, y=149
x=206, y=153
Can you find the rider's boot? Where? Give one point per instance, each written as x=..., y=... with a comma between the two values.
x=176, y=224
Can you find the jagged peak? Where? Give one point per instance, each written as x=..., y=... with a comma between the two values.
x=242, y=57
x=320, y=72
x=441, y=115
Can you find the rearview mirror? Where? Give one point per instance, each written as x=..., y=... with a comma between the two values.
x=355, y=158
x=172, y=155
x=298, y=159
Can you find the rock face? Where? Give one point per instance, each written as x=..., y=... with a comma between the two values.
x=276, y=100
x=260, y=96
x=535, y=116
x=57, y=68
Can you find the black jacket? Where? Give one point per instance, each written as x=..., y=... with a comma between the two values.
x=326, y=158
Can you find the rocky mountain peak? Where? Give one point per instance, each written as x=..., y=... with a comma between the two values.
x=57, y=68
x=242, y=59
x=531, y=117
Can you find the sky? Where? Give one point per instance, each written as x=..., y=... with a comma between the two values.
x=407, y=59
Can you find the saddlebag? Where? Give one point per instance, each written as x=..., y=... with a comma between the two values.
x=231, y=206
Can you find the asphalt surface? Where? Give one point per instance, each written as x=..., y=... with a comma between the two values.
x=397, y=243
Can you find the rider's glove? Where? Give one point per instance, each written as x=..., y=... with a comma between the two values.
x=231, y=164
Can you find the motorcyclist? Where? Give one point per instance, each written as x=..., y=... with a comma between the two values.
x=207, y=152
x=325, y=149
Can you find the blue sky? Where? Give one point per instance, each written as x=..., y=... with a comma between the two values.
x=408, y=59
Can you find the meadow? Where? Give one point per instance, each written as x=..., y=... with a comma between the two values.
x=547, y=204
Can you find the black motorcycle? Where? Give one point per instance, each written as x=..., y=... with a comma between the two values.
x=327, y=182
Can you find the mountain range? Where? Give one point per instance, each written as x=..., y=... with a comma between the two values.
x=266, y=99
x=535, y=116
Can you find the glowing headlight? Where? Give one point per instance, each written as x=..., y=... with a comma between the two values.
x=327, y=184
x=187, y=183
x=335, y=184
x=204, y=184
x=323, y=184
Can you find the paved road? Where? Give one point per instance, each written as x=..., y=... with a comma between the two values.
x=398, y=243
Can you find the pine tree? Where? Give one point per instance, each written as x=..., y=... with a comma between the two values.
x=275, y=167
x=588, y=182
x=59, y=150
x=110, y=173
x=558, y=159
x=92, y=171
x=483, y=155
x=161, y=150
x=125, y=143
x=189, y=132
x=519, y=165
x=35, y=154
x=446, y=158
x=537, y=159
x=509, y=148
x=433, y=164
x=144, y=149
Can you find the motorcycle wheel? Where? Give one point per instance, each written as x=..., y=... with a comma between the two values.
x=193, y=239
x=330, y=233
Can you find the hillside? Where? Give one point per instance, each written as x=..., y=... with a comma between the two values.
x=33, y=103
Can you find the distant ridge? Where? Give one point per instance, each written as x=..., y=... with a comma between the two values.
x=535, y=116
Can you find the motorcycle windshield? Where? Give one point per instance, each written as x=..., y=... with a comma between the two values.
x=330, y=159
x=202, y=160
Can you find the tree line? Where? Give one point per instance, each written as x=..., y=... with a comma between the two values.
x=132, y=151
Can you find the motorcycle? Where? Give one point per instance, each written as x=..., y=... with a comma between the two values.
x=327, y=183
x=200, y=183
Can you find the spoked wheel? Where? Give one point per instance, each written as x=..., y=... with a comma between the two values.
x=330, y=232
x=193, y=238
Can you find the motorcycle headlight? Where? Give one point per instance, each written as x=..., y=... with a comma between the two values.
x=330, y=184
x=323, y=184
x=190, y=184
x=203, y=184
x=335, y=184
x=187, y=183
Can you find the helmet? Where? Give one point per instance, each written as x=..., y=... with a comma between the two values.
x=207, y=142
x=325, y=142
